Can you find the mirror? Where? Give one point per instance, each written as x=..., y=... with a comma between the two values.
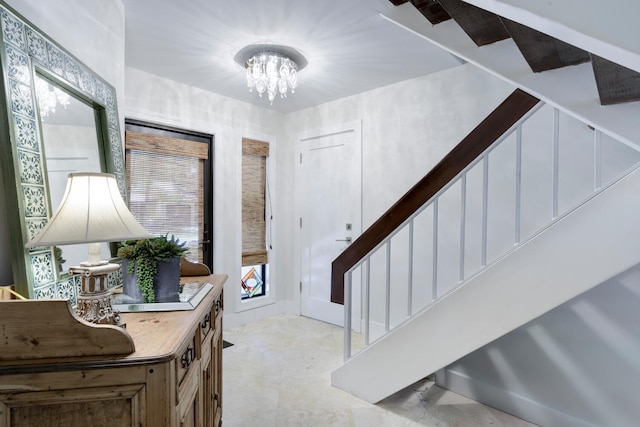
x=71, y=144
x=29, y=141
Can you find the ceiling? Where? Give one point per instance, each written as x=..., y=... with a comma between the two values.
x=349, y=46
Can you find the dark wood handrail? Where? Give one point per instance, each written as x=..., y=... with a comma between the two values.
x=486, y=133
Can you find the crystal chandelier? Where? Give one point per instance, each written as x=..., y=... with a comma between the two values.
x=49, y=97
x=271, y=68
x=273, y=73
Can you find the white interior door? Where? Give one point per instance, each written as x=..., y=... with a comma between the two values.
x=329, y=195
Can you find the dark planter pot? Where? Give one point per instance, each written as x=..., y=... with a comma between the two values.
x=166, y=283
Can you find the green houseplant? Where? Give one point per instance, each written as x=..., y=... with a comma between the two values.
x=152, y=266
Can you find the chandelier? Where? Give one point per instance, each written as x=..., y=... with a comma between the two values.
x=49, y=97
x=273, y=73
x=271, y=68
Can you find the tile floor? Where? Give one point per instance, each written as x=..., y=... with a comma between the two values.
x=278, y=374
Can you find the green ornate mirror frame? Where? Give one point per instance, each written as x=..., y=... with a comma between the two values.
x=24, y=53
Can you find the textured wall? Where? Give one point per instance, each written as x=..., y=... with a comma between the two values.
x=164, y=101
x=577, y=365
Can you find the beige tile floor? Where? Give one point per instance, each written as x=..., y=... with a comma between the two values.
x=278, y=374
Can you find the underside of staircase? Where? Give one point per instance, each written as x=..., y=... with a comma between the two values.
x=532, y=279
x=616, y=83
x=567, y=77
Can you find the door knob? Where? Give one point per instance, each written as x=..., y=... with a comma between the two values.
x=347, y=239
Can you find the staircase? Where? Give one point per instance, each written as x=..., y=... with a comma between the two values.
x=494, y=236
x=571, y=88
x=542, y=52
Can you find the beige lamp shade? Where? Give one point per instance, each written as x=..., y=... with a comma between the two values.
x=92, y=210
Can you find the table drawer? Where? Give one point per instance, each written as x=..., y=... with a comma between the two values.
x=185, y=360
x=206, y=324
x=218, y=305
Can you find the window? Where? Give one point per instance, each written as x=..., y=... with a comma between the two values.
x=169, y=178
x=254, y=281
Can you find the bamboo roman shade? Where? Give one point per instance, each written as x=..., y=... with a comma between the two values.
x=254, y=183
x=166, y=190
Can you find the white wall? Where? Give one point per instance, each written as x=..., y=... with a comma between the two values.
x=407, y=127
x=159, y=100
x=92, y=31
x=576, y=366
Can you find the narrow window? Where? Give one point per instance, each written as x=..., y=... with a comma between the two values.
x=254, y=281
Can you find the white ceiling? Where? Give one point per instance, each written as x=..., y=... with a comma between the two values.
x=349, y=46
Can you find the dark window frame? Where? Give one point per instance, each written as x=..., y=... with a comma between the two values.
x=209, y=139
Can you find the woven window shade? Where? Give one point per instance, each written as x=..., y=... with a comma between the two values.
x=254, y=182
x=166, y=193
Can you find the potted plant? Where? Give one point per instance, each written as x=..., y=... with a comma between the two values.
x=151, y=268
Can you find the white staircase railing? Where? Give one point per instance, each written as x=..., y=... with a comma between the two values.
x=544, y=167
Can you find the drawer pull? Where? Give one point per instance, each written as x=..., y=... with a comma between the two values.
x=218, y=305
x=188, y=357
x=205, y=323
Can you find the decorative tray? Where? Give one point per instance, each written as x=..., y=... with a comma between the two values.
x=190, y=297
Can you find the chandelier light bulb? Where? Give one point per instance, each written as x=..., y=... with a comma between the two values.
x=292, y=80
x=284, y=71
x=261, y=85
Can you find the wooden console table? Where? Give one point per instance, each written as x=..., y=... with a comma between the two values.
x=172, y=378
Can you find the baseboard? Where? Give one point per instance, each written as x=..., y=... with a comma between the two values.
x=506, y=401
x=292, y=307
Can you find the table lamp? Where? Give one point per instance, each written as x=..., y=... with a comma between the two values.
x=92, y=211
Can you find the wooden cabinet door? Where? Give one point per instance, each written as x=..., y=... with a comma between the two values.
x=206, y=378
x=189, y=398
x=216, y=368
x=191, y=418
x=115, y=406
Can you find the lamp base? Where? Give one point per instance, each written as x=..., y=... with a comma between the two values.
x=94, y=300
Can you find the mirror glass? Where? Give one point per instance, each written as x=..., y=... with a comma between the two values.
x=71, y=144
